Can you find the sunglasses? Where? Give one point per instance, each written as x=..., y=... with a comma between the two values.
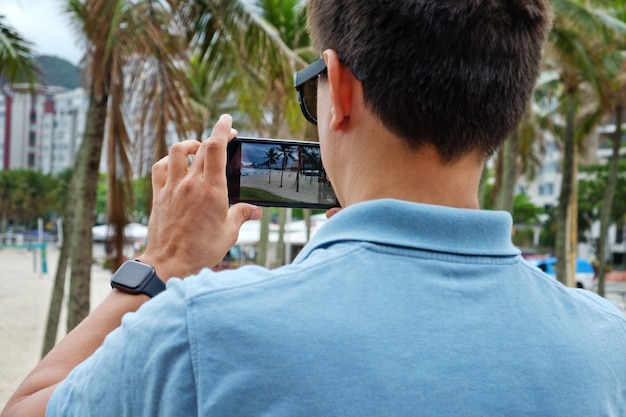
x=305, y=82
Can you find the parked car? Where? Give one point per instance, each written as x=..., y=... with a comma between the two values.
x=585, y=274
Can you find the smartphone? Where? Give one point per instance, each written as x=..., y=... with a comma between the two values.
x=278, y=173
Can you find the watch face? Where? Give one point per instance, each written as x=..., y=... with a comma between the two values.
x=132, y=274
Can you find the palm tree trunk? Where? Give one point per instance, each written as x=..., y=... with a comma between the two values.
x=565, y=198
x=261, y=252
x=504, y=200
x=306, y=213
x=160, y=143
x=573, y=223
x=607, y=200
x=86, y=177
x=280, y=246
x=482, y=188
x=58, y=291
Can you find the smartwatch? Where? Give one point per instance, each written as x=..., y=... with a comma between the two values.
x=134, y=277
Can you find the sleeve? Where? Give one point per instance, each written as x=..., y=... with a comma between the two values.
x=143, y=368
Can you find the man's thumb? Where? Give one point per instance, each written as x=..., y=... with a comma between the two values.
x=242, y=212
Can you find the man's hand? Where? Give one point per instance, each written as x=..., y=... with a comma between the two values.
x=191, y=225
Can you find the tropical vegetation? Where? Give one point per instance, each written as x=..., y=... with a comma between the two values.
x=17, y=61
x=178, y=64
x=28, y=195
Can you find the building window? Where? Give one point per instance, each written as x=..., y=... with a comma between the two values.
x=619, y=235
x=546, y=189
x=551, y=167
x=32, y=139
x=31, y=160
x=551, y=147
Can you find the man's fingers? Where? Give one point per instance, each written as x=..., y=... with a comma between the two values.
x=159, y=175
x=215, y=154
x=178, y=159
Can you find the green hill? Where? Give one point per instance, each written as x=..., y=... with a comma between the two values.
x=59, y=72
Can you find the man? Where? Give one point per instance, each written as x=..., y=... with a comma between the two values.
x=410, y=301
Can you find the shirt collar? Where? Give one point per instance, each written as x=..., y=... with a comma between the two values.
x=419, y=226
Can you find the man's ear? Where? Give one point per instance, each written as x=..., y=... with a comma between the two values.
x=341, y=84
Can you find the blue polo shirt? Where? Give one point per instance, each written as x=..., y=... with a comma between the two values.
x=392, y=309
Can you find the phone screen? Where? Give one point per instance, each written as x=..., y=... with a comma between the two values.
x=278, y=173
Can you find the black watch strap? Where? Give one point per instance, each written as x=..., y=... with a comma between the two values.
x=154, y=286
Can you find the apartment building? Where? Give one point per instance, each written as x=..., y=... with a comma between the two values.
x=62, y=131
x=27, y=118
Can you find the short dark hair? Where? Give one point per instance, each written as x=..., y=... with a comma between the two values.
x=455, y=74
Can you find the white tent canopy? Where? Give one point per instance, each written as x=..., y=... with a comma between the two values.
x=295, y=232
x=132, y=231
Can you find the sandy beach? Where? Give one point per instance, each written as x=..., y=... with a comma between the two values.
x=24, y=300
x=308, y=190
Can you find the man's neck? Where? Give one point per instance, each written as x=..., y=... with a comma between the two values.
x=385, y=167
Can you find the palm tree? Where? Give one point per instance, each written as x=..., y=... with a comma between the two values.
x=35, y=196
x=301, y=155
x=289, y=19
x=8, y=185
x=520, y=158
x=146, y=45
x=235, y=37
x=61, y=196
x=122, y=39
x=205, y=86
x=234, y=46
x=609, y=194
x=283, y=118
x=619, y=99
x=149, y=77
x=96, y=20
x=286, y=153
x=520, y=154
x=17, y=61
x=575, y=51
x=271, y=157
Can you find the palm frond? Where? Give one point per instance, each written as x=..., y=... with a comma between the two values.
x=234, y=35
x=17, y=61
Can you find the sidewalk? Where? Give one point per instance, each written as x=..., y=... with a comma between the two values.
x=24, y=300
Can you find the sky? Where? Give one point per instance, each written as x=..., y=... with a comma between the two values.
x=45, y=24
